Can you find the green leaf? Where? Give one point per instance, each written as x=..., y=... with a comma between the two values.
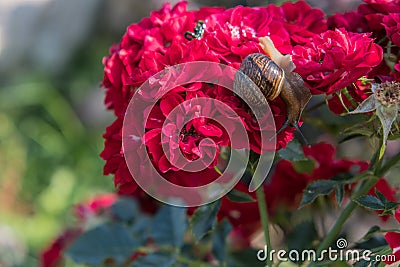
x=339, y=194
x=304, y=166
x=359, y=129
x=169, y=226
x=218, y=240
x=381, y=196
x=109, y=240
x=371, y=243
x=346, y=176
x=204, y=219
x=157, y=259
x=239, y=196
x=141, y=228
x=292, y=152
x=390, y=207
x=125, y=209
x=387, y=115
x=367, y=105
x=373, y=230
x=387, y=206
x=321, y=187
x=370, y=202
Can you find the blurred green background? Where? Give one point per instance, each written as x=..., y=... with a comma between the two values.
x=52, y=115
x=50, y=140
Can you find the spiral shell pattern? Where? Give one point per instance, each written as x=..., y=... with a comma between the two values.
x=265, y=73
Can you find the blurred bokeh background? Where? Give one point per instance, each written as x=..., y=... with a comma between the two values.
x=52, y=115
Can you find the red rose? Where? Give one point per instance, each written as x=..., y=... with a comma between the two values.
x=397, y=215
x=358, y=93
x=351, y=21
x=384, y=6
x=84, y=211
x=374, y=12
x=396, y=73
x=392, y=26
x=397, y=66
x=285, y=188
x=373, y=18
x=393, y=238
x=302, y=22
x=53, y=254
x=244, y=217
x=377, y=17
x=335, y=59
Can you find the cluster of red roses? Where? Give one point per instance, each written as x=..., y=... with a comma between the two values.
x=381, y=20
x=328, y=60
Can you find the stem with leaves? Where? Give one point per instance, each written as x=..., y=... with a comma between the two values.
x=367, y=185
x=364, y=187
x=262, y=207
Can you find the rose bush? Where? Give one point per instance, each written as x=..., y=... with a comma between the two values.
x=344, y=57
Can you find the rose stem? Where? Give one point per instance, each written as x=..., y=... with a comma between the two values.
x=352, y=205
x=262, y=207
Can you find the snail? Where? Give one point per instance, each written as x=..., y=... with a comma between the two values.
x=274, y=77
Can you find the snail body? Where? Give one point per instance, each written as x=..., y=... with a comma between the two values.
x=273, y=79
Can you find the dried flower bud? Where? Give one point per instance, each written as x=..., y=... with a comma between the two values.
x=388, y=93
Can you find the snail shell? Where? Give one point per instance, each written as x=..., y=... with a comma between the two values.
x=265, y=73
x=272, y=81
